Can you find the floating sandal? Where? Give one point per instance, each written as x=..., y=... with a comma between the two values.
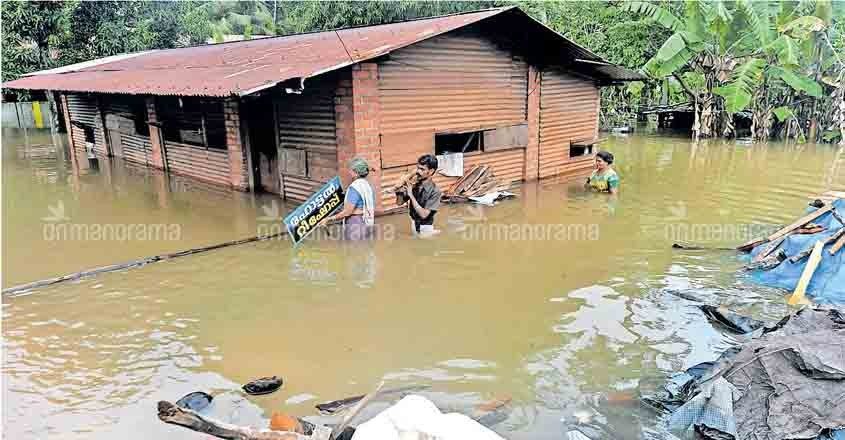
x=265, y=385
x=196, y=401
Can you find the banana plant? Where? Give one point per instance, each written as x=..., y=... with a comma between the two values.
x=773, y=61
x=704, y=40
x=742, y=48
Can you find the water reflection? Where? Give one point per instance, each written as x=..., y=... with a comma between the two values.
x=571, y=327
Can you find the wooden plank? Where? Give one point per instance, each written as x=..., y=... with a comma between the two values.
x=768, y=250
x=838, y=245
x=473, y=177
x=798, y=296
x=806, y=252
x=786, y=229
x=483, y=178
x=835, y=194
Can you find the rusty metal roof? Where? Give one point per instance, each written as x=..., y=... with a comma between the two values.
x=245, y=67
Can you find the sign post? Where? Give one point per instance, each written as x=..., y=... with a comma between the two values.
x=308, y=215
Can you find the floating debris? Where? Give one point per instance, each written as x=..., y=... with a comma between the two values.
x=265, y=385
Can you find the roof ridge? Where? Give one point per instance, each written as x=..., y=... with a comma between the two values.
x=197, y=46
x=269, y=37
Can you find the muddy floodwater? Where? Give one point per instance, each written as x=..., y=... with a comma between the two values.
x=567, y=302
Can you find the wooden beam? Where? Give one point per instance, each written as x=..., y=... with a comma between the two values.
x=806, y=252
x=768, y=250
x=837, y=246
x=786, y=230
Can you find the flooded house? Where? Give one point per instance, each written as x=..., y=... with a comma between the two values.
x=285, y=114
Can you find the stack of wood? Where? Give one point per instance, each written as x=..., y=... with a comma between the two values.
x=477, y=182
x=772, y=256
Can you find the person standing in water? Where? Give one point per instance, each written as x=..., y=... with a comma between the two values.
x=604, y=178
x=358, y=213
x=423, y=197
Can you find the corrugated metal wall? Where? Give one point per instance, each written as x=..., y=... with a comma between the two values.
x=307, y=122
x=81, y=109
x=451, y=83
x=84, y=109
x=209, y=164
x=569, y=109
x=300, y=188
x=136, y=148
x=120, y=117
x=508, y=166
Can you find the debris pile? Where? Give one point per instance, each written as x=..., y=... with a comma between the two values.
x=785, y=383
x=413, y=416
x=479, y=185
x=804, y=257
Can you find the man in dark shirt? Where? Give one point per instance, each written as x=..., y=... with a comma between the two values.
x=423, y=198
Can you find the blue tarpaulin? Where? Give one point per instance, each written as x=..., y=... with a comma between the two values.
x=828, y=283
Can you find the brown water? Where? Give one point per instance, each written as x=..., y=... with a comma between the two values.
x=562, y=299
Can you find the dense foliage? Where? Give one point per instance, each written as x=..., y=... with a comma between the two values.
x=782, y=61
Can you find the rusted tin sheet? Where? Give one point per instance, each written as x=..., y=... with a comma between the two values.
x=508, y=166
x=82, y=109
x=244, y=67
x=211, y=165
x=454, y=82
x=239, y=68
x=298, y=189
x=569, y=109
x=136, y=148
x=307, y=120
x=307, y=124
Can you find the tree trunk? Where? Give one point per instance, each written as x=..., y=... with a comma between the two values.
x=839, y=108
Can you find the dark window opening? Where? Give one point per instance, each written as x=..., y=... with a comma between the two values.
x=458, y=143
x=89, y=133
x=577, y=150
x=139, y=116
x=193, y=121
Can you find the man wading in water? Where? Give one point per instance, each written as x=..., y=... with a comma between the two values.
x=604, y=178
x=422, y=196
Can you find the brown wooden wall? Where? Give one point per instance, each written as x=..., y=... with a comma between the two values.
x=569, y=110
x=451, y=83
x=307, y=126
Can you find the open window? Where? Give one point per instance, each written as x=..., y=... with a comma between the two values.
x=579, y=148
x=458, y=142
x=193, y=121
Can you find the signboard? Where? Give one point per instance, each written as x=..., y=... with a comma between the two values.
x=308, y=215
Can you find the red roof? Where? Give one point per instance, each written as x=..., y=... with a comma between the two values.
x=244, y=67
